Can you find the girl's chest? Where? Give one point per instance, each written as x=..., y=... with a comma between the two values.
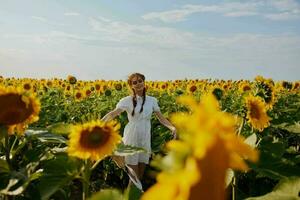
x=147, y=107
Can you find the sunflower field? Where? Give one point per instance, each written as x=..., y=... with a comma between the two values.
x=236, y=140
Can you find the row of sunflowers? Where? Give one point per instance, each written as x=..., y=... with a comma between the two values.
x=237, y=140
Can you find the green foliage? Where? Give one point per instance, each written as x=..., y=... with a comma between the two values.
x=286, y=189
x=57, y=172
x=39, y=167
x=108, y=194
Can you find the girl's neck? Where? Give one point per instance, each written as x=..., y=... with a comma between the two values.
x=139, y=93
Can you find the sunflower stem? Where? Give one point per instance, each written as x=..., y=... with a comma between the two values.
x=96, y=163
x=7, y=148
x=14, y=143
x=234, y=174
x=86, y=179
x=241, y=126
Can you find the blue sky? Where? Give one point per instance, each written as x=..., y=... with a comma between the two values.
x=102, y=39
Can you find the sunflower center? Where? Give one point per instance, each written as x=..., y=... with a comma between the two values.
x=254, y=111
x=95, y=138
x=78, y=95
x=88, y=92
x=13, y=110
x=246, y=88
x=27, y=86
x=193, y=88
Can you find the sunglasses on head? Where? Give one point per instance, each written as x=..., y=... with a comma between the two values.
x=138, y=81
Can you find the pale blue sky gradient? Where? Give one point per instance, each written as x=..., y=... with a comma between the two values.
x=165, y=40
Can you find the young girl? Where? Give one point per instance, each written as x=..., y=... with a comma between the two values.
x=137, y=132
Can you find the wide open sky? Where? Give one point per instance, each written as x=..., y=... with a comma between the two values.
x=164, y=39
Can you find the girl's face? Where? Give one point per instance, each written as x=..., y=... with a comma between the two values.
x=137, y=83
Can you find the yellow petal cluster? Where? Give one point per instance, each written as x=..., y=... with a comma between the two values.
x=94, y=140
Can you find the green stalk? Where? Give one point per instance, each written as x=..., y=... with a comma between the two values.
x=234, y=177
x=7, y=150
x=14, y=143
x=86, y=179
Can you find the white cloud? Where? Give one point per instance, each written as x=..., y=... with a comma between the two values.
x=46, y=21
x=169, y=16
x=227, y=9
x=132, y=34
x=283, y=16
x=284, y=5
x=284, y=10
x=71, y=14
x=280, y=10
x=240, y=14
x=113, y=49
x=42, y=19
x=51, y=38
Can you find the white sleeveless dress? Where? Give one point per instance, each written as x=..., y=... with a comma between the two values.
x=138, y=130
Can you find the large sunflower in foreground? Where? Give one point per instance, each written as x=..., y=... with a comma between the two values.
x=176, y=185
x=17, y=109
x=256, y=113
x=208, y=146
x=94, y=140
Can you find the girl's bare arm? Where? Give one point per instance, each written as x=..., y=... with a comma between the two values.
x=165, y=122
x=112, y=114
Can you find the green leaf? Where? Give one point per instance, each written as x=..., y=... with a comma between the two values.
x=3, y=166
x=4, y=174
x=125, y=150
x=229, y=176
x=60, y=128
x=273, y=162
x=45, y=136
x=133, y=193
x=9, y=191
x=108, y=194
x=295, y=128
x=16, y=183
x=286, y=189
x=251, y=140
x=3, y=132
x=57, y=173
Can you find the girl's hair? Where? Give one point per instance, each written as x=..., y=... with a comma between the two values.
x=134, y=101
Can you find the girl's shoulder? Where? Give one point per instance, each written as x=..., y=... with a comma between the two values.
x=151, y=98
x=127, y=98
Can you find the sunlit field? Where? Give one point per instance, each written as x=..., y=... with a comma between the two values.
x=236, y=140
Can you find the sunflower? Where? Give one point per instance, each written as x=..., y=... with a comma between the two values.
x=118, y=86
x=256, y=113
x=49, y=83
x=209, y=144
x=217, y=92
x=191, y=88
x=68, y=89
x=94, y=140
x=79, y=95
x=27, y=86
x=265, y=90
x=244, y=87
x=87, y=92
x=107, y=92
x=296, y=86
x=98, y=87
x=17, y=109
x=287, y=85
x=174, y=185
x=71, y=79
x=163, y=86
